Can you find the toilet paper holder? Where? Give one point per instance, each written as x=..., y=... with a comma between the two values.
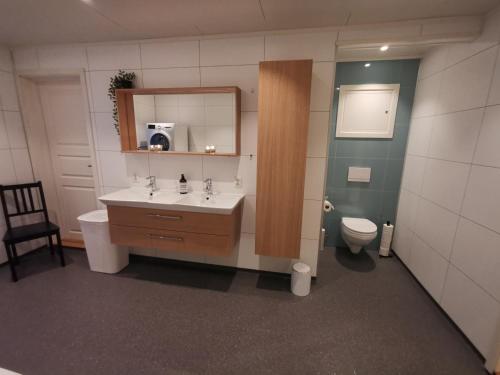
x=327, y=205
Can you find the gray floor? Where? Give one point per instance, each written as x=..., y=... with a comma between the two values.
x=365, y=316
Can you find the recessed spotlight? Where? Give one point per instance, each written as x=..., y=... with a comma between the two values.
x=337, y=88
x=367, y=65
x=384, y=48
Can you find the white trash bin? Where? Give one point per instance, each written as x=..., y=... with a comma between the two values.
x=301, y=279
x=102, y=254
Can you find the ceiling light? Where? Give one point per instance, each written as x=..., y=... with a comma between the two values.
x=384, y=48
x=367, y=65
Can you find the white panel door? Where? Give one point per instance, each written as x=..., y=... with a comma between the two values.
x=64, y=117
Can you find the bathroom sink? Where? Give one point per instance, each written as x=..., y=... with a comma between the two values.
x=136, y=196
x=222, y=203
x=218, y=203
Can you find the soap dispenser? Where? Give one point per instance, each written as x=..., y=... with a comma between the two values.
x=183, y=186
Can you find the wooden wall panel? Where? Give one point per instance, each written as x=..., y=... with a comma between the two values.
x=284, y=98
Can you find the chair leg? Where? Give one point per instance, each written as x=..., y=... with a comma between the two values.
x=60, y=248
x=51, y=245
x=11, y=262
x=14, y=254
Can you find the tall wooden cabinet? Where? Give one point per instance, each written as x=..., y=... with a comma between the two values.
x=284, y=96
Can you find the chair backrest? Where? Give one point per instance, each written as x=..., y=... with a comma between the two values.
x=26, y=199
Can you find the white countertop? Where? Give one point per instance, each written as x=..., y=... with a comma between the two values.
x=218, y=203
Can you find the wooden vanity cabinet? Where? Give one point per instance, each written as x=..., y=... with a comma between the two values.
x=284, y=98
x=202, y=233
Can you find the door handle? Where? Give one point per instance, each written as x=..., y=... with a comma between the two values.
x=165, y=217
x=166, y=238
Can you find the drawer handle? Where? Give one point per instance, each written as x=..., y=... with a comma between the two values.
x=165, y=217
x=167, y=238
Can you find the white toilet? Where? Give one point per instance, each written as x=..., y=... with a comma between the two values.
x=357, y=232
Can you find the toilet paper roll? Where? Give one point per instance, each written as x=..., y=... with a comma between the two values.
x=385, y=242
x=328, y=206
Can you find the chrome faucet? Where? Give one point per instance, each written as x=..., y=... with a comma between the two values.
x=208, y=188
x=152, y=184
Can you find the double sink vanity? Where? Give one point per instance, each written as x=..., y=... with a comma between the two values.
x=206, y=122
x=197, y=222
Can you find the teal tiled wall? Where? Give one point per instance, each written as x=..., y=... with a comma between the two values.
x=378, y=199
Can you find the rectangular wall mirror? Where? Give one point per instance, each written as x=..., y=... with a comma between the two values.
x=197, y=120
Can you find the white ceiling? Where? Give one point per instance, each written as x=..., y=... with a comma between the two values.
x=26, y=22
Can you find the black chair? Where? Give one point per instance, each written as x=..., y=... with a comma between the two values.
x=26, y=199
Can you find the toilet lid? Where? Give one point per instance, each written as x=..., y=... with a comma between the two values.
x=359, y=225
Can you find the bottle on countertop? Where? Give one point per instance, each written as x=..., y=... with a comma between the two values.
x=183, y=185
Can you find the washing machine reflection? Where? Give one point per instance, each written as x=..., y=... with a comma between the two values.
x=166, y=136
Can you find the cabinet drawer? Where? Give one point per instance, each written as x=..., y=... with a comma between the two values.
x=209, y=244
x=172, y=220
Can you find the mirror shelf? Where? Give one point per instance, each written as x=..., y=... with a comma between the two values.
x=180, y=121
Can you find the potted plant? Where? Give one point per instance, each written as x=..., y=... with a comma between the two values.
x=122, y=80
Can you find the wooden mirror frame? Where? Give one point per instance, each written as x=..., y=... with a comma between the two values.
x=126, y=116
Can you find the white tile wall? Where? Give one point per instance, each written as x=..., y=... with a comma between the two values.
x=439, y=237
x=107, y=137
x=477, y=253
x=4, y=140
x=15, y=163
x=249, y=133
x=487, y=150
x=22, y=165
x=471, y=308
x=426, y=96
x=62, y=58
x=170, y=54
x=113, y=169
x=231, y=51
x=321, y=86
x=494, y=97
x=111, y=57
x=434, y=62
x=15, y=129
x=420, y=136
x=428, y=266
x=205, y=62
x=172, y=77
x=489, y=37
x=407, y=210
x=316, y=46
x=482, y=199
x=317, y=139
x=448, y=233
x=99, y=82
x=315, y=178
x=25, y=58
x=6, y=64
x=246, y=77
x=465, y=128
x=8, y=94
x=7, y=172
x=444, y=183
x=466, y=85
x=413, y=173
x=403, y=241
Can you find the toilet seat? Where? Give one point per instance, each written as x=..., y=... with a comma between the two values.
x=359, y=226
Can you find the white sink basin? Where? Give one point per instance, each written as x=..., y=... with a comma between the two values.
x=222, y=203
